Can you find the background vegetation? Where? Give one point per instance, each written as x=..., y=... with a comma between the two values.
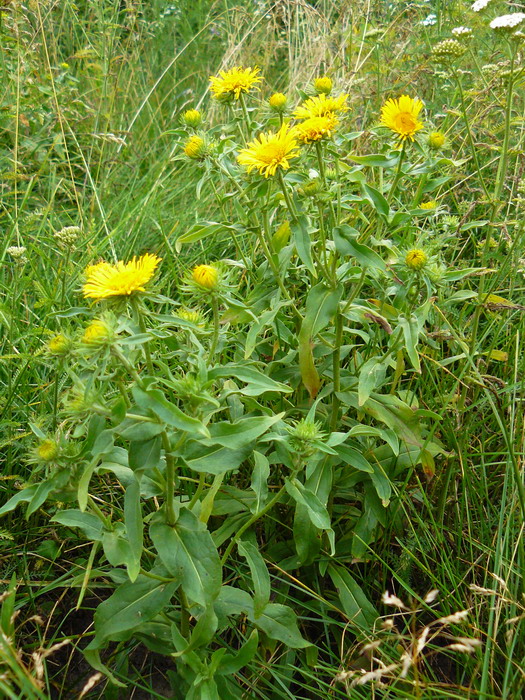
x=91, y=93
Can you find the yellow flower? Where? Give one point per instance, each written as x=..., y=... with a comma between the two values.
x=401, y=116
x=59, y=345
x=323, y=85
x=416, y=259
x=47, y=450
x=122, y=279
x=321, y=106
x=436, y=140
x=192, y=117
x=270, y=151
x=97, y=333
x=206, y=276
x=195, y=147
x=316, y=128
x=234, y=82
x=278, y=101
x=429, y=205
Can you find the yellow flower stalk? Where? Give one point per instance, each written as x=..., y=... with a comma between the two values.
x=316, y=128
x=323, y=85
x=416, y=259
x=206, y=276
x=401, y=116
x=122, y=279
x=270, y=151
x=234, y=82
x=321, y=106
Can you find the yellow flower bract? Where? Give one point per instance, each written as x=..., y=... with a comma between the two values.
x=122, y=279
x=401, y=116
x=234, y=82
x=321, y=106
x=206, y=276
x=316, y=128
x=96, y=333
x=270, y=151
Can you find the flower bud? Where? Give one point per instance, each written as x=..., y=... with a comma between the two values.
x=196, y=148
x=206, y=276
x=323, y=85
x=416, y=259
x=47, y=450
x=59, y=345
x=192, y=118
x=436, y=140
x=448, y=50
x=97, y=333
x=278, y=102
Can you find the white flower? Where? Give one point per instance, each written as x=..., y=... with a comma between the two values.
x=16, y=251
x=508, y=21
x=429, y=21
x=479, y=5
x=461, y=32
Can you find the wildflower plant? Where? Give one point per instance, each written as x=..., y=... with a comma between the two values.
x=271, y=384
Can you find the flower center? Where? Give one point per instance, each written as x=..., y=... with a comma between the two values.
x=405, y=122
x=273, y=153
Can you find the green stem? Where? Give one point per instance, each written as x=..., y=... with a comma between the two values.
x=105, y=521
x=336, y=366
x=320, y=161
x=245, y=114
x=398, y=174
x=287, y=198
x=215, y=337
x=198, y=490
x=170, y=480
x=143, y=329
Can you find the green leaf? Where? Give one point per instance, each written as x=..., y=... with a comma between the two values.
x=130, y=605
x=303, y=244
x=376, y=159
x=241, y=433
x=257, y=382
x=279, y=622
x=354, y=458
x=411, y=335
x=371, y=374
x=188, y=552
x=355, y=604
x=232, y=664
x=316, y=511
x=259, y=484
x=155, y=401
x=199, y=231
x=133, y=523
x=144, y=455
x=260, y=576
x=321, y=306
x=203, y=631
x=346, y=243
x=215, y=459
x=87, y=522
x=376, y=199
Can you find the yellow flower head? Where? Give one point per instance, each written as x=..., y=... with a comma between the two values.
x=316, y=128
x=436, y=140
x=401, y=116
x=195, y=147
x=192, y=117
x=47, y=450
x=59, y=345
x=432, y=204
x=323, y=85
x=122, y=279
x=278, y=101
x=321, y=106
x=206, y=276
x=97, y=333
x=270, y=151
x=416, y=259
x=234, y=82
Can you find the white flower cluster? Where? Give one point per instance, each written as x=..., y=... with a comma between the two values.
x=479, y=5
x=508, y=21
x=16, y=251
x=459, y=32
x=429, y=21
